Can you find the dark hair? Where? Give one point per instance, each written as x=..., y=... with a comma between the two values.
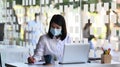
x=37, y=14
x=91, y=37
x=87, y=25
x=58, y=19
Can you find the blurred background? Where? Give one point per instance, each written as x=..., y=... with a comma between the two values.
x=87, y=20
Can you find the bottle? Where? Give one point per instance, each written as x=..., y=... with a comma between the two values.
x=56, y=62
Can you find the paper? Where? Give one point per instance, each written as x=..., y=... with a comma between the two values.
x=37, y=63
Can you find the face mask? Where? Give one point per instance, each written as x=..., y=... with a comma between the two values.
x=55, y=32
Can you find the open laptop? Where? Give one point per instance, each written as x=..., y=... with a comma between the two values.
x=75, y=53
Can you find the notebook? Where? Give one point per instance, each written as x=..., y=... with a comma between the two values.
x=75, y=53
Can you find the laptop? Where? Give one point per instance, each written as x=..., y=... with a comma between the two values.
x=75, y=53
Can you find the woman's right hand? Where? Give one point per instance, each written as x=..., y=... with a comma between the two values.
x=31, y=60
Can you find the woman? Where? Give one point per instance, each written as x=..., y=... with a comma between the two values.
x=51, y=45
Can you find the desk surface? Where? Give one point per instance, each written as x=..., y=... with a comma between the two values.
x=13, y=54
x=64, y=65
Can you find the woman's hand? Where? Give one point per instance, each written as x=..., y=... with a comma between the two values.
x=31, y=60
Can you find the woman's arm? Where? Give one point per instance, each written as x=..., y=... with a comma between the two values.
x=38, y=53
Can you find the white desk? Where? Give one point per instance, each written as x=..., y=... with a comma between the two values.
x=64, y=65
x=20, y=54
x=13, y=54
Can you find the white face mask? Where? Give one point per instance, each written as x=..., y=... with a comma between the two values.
x=55, y=31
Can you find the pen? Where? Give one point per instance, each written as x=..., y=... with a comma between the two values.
x=106, y=52
x=109, y=51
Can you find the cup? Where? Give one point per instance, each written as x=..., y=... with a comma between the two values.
x=106, y=59
x=47, y=59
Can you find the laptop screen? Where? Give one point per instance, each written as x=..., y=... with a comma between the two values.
x=75, y=53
